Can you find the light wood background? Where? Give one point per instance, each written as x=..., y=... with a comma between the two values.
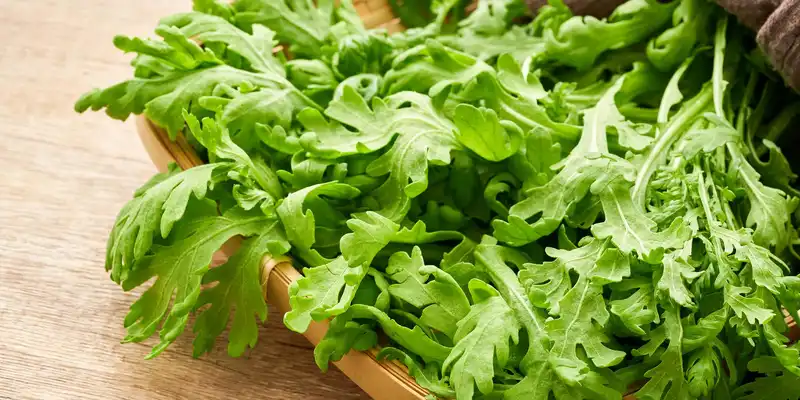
x=63, y=178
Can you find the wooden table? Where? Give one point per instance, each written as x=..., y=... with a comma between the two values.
x=63, y=178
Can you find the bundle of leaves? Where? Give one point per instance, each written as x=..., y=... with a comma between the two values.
x=551, y=207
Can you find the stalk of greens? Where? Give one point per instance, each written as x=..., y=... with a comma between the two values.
x=556, y=208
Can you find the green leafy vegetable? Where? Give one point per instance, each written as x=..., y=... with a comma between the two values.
x=554, y=207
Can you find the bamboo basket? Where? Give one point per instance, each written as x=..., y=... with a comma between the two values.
x=382, y=380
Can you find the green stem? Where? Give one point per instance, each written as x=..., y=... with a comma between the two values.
x=719, y=62
x=675, y=129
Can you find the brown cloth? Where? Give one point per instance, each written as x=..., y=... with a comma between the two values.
x=776, y=21
x=751, y=13
x=779, y=37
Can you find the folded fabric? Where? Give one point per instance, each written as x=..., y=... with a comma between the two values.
x=776, y=21
x=779, y=37
x=751, y=13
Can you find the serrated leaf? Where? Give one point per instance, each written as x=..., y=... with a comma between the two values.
x=428, y=288
x=163, y=97
x=631, y=230
x=422, y=136
x=667, y=378
x=767, y=206
x=750, y=308
x=639, y=309
x=342, y=336
x=237, y=290
x=587, y=164
x=778, y=385
x=482, y=337
x=294, y=211
x=256, y=48
x=481, y=131
x=427, y=376
x=674, y=276
x=414, y=339
x=179, y=268
x=152, y=213
x=430, y=68
x=322, y=292
x=703, y=371
x=767, y=269
x=303, y=24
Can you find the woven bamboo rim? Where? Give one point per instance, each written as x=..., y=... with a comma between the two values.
x=382, y=380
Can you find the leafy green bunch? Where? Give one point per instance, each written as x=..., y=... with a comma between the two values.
x=516, y=207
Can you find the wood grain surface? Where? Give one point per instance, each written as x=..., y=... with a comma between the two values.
x=63, y=177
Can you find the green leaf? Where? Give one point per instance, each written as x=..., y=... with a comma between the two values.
x=414, y=339
x=521, y=83
x=214, y=7
x=674, y=276
x=278, y=138
x=787, y=355
x=430, y=68
x=500, y=185
x=307, y=171
x=314, y=78
x=422, y=136
x=526, y=112
x=703, y=371
x=750, y=308
x=778, y=384
x=256, y=48
x=690, y=21
x=776, y=171
x=482, y=340
x=427, y=375
x=237, y=290
x=343, y=335
x=768, y=206
x=545, y=284
x=631, y=230
x=515, y=42
x=535, y=159
x=294, y=210
x=481, y=131
x=441, y=300
x=244, y=111
x=152, y=213
x=495, y=261
x=707, y=140
x=492, y=16
x=579, y=41
x=214, y=136
x=705, y=331
x=179, y=268
x=588, y=163
x=582, y=314
x=362, y=53
x=635, y=137
x=667, y=378
x=639, y=309
x=767, y=268
x=371, y=232
x=322, y=292
x=163, y=97
x=299, y=22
